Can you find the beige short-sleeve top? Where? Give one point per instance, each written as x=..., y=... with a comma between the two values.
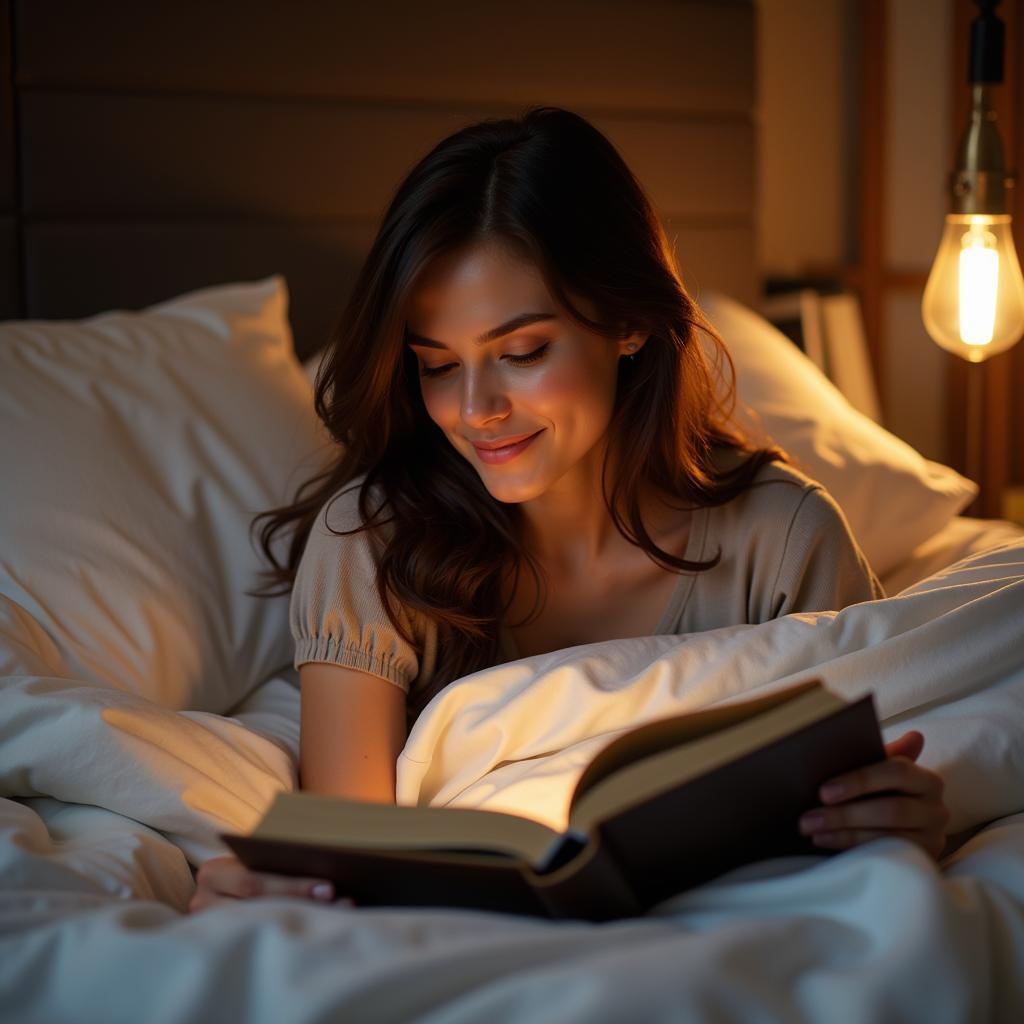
x=785, y=547
x=336, y=614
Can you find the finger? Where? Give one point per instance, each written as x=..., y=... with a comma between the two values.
x=909, y=745
x=203, y=899
x=228, y=876
x=263, y=884
x=845, y=839
x=879, y=813
x=197, y=903
x=895, y=773
x=224, y=875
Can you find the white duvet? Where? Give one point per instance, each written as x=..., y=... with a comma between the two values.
x=115, y=796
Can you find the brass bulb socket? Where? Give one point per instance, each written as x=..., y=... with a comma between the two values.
x=980, y=183
x=979, y=192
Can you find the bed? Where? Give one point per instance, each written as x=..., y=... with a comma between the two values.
x=149, y=406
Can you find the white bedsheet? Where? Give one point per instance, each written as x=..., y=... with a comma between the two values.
x=960, y=537
x=90, y=922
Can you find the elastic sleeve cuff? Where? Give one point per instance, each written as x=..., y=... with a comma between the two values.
x=329, y=650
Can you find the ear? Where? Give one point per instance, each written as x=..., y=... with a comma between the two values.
x=632, y=343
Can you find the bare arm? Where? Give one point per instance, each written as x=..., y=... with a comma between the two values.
x=352, y=731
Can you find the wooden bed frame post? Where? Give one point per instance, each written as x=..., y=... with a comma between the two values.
x=874, y=16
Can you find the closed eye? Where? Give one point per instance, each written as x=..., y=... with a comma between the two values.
x=525, y=360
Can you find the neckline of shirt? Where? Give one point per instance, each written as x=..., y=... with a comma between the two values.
x=696, y=543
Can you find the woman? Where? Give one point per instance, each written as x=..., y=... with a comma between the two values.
x=519, y=383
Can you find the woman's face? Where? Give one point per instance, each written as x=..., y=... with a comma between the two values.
x=500, y=363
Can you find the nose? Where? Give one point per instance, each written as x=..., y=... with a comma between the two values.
x=483, y=398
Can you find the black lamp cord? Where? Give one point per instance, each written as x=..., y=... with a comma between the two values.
x=987, y=45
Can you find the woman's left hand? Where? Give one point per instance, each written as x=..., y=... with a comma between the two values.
x=912, y=809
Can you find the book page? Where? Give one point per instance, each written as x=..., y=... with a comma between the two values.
x=663, y=733
x=355, y=824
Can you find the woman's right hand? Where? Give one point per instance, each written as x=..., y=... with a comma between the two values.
x=226, y=879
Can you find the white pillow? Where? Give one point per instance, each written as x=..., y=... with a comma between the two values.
x=134, y=450
x=893, y=497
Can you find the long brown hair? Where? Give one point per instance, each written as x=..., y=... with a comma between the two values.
x=554, y=190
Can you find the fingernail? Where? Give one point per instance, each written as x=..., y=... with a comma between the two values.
x=832, y=791
x=322, y=891
x=811, y=822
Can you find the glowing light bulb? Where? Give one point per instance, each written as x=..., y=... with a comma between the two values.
x=973, y=303
x=979, y=277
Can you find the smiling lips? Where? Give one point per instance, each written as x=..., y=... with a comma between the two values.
x=494, y=452
x=501, y=442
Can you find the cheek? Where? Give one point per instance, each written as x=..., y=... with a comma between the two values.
x=579, y=389
x=440, y=403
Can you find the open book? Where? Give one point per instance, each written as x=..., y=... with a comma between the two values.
x=662, y=807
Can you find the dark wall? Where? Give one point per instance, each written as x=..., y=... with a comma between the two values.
x=164, y=146
x=10, y=268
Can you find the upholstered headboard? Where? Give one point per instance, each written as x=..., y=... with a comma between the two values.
x=151, y=148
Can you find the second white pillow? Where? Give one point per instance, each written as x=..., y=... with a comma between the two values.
x=893, y=497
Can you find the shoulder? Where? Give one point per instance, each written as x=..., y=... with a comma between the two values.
x=337, y=614
x=341, y=511
x=337, y=548
x=787, y=487
x=340, y=520
x=778, y=493
x=785, y=514
x=785, y=473
x=789, y=542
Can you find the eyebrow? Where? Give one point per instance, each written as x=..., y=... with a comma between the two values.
x=515, y=324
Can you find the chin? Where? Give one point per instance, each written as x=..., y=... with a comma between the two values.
x=510, y=490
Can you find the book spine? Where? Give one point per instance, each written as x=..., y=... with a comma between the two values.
x=590, y=887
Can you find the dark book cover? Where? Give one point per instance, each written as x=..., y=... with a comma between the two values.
x=588, y=887
x=743, y=811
